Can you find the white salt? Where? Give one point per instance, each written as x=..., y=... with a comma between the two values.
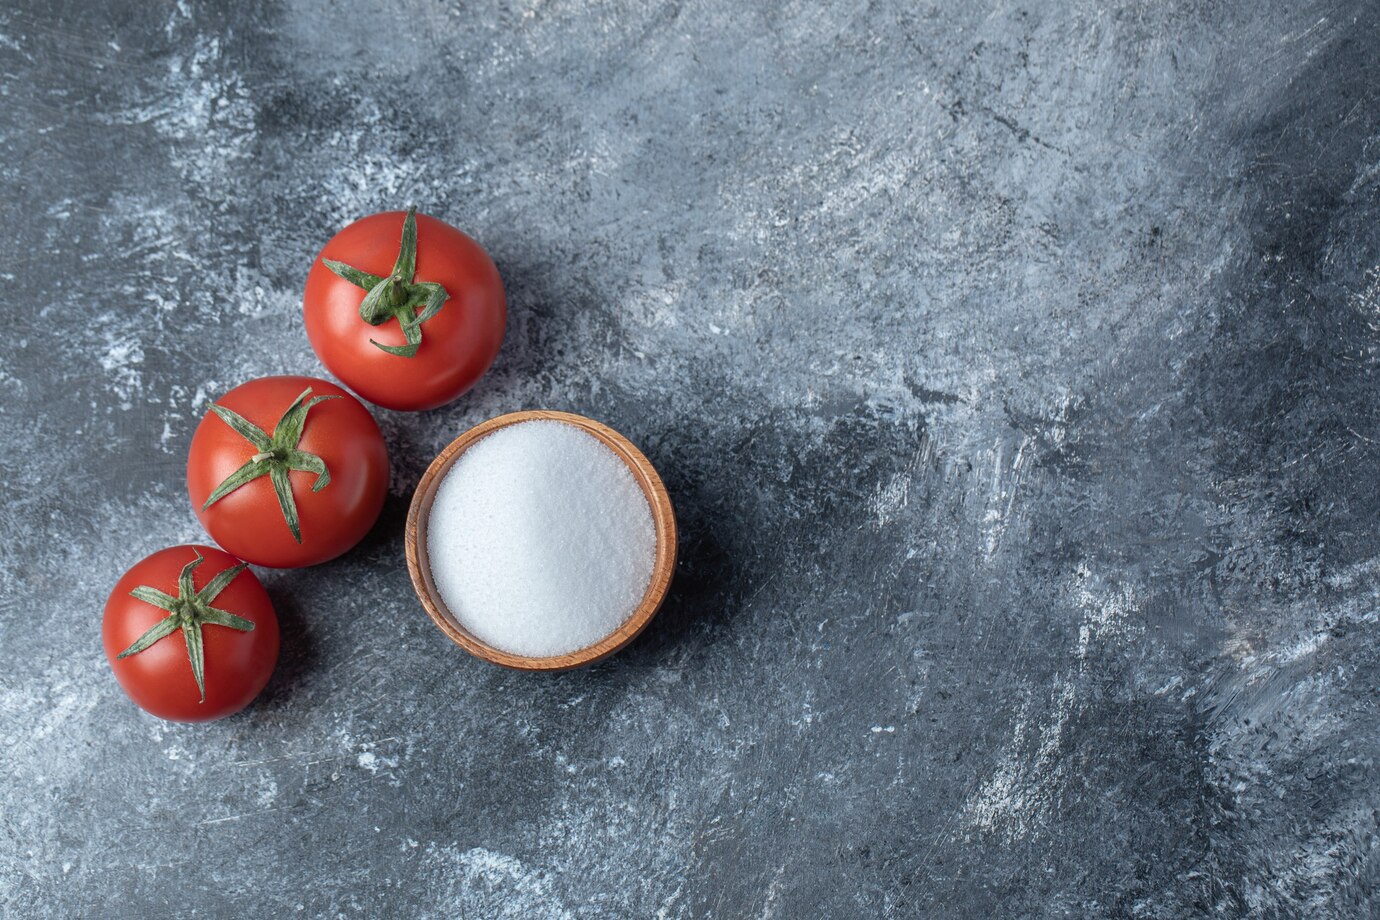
x=540, y=540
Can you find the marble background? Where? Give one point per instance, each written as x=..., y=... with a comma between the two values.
x=1014, y=368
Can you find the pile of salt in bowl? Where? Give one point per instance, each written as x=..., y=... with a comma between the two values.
x=540, y=540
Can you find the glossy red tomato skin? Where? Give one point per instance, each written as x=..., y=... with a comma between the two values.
x=458, y=344
x=249, y=522
x=159, y=679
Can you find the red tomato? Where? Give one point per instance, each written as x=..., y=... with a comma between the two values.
x=236, y=661
x=327, y=466
x=453, y=347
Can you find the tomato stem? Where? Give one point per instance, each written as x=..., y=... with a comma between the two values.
x=398, y=295
x=189, y=611
x=276, y=457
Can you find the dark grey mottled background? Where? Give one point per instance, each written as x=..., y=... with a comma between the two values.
x=1015, y=370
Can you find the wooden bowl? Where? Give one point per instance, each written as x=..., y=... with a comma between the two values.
x=663, y=517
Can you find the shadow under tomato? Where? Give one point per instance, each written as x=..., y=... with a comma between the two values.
x=542, y=303
x=297, y=653
x=384, y=542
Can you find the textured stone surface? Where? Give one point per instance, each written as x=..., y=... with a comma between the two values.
x=1013, y=369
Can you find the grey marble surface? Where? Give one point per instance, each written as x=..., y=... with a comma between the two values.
x=1013, y=368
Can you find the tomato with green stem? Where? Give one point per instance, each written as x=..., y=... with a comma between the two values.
x=190, y=634
x=287, y=471
x=405, y=309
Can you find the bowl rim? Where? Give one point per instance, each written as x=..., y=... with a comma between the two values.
x=663, y=567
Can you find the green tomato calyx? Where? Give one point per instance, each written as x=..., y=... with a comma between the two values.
x=277, y=455
x=189, y=611
x=399, y=296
